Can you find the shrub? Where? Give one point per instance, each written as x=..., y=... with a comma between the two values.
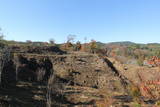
x=93, y=46
x=134, y=91
x=78, y=46
x=140, y=62
x=158, y=103
x=136, y=104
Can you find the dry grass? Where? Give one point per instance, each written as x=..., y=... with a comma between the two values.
x=107, y=101
x=49, y=90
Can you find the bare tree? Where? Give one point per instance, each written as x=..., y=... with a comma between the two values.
x=52, y=41
x=1, y=34
x=70, y=38
x=69, y=44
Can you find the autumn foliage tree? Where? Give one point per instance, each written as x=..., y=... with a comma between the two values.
x=93, y=46
x=78, y=46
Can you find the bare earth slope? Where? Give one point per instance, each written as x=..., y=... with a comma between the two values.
x=74, y=79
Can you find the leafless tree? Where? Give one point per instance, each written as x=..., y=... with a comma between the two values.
x=52, y=41
x=1, y=34
x=70, y=38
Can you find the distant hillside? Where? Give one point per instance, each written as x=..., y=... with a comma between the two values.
x=122, y=43
x=100, y=44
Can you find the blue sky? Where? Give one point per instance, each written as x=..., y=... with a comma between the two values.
x=102, y=20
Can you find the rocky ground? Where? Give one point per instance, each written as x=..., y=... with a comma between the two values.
x=68, y=80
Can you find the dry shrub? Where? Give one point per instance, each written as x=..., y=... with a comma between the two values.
x=107, y=101
x=49, y=90
x=54, y=87
x=150, y=89
x=136, y=104
x=134, y=91
x=157, y=104
x=145, y=87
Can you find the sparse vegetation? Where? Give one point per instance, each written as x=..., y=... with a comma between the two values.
x=93, y=46
x=78, y=46
x=135, y=92
x=69, y=81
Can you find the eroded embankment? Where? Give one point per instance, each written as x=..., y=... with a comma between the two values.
x=74, y=79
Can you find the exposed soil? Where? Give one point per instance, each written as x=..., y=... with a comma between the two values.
x=69, y=80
